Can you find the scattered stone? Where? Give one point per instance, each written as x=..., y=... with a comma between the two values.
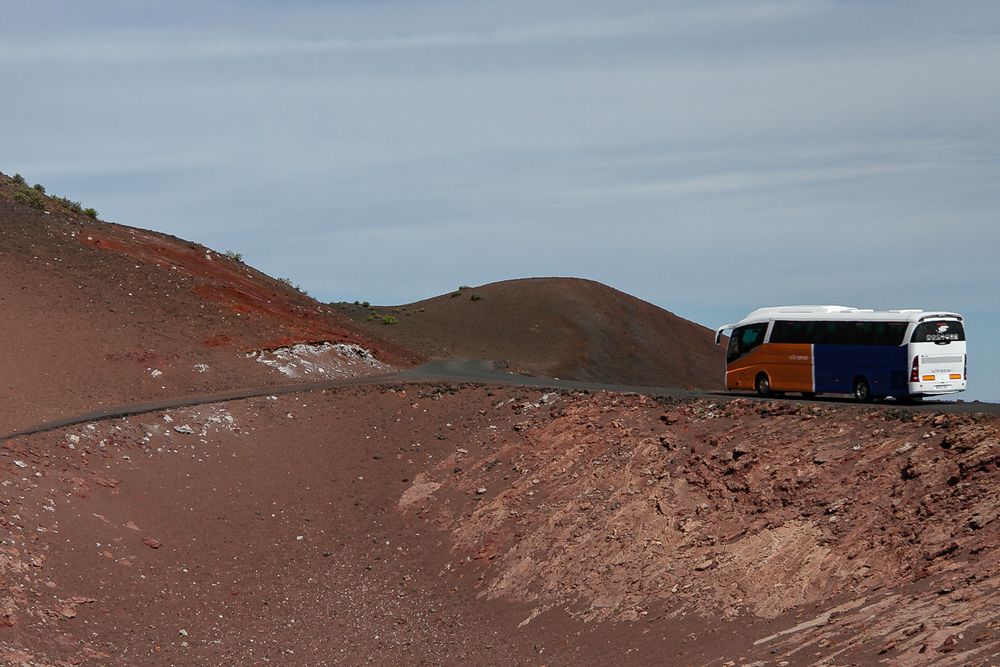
x=152, y=543
x=949, y=644
x=704, y=565
x=481, y=490
x=185, y=429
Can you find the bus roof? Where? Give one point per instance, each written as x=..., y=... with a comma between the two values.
x=827, y=313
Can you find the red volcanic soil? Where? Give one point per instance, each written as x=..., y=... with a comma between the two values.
x=557, y=327
x=106, y=314
x=426, y=524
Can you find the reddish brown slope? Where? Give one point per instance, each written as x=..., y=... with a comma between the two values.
x=100, y=314
x=557, y=327
x=457, y=526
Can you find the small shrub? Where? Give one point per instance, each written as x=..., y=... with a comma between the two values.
x=30, y=197
x=19, y=179
x=365, y=304
x=371, y=316
x=39, y=187
x=70, y=204
x=454, y=294
x=357, y=303
x=90, y=213
x=233, y=255
x=389, y=320
x=475, y=297
x=463, y=287
x=285, y=281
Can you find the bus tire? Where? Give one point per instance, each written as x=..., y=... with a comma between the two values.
x=862, y=392
x=809, y=395
x=763, y=386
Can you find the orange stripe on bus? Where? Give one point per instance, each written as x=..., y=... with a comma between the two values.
x=789, y=367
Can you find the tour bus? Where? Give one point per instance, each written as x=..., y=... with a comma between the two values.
x=906, y=354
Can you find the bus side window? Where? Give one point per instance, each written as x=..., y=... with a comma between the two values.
x=744, y=339
x=897, y=330
x=753, y=336
x=786, y=332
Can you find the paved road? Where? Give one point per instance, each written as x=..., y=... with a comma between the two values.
x=459, y=372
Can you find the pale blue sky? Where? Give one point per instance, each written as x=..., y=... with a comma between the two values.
x=711, y=157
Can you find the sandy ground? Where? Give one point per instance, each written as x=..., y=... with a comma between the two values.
x=440, y=524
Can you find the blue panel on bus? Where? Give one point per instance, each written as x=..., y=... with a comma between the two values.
x=884, y=366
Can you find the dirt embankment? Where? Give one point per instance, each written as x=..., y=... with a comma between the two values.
x=448, y=525
x=556, y=327
x=100, y=314
x=804, y=522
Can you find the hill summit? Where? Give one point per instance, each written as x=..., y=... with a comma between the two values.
x=554, y=327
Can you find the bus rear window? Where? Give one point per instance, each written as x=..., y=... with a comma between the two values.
x=938, y=331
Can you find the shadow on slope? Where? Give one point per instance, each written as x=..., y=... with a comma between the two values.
x=555, y=327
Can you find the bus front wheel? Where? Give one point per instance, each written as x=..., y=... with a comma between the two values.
x=862, y=392
x=763, y=386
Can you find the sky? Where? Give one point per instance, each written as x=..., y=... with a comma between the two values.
x=709, y=157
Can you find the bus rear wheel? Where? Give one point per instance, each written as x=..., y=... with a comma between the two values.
x=763, y=386
x=862, y=392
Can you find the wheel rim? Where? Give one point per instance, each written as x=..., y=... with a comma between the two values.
x=764, y=386
x=861, y=390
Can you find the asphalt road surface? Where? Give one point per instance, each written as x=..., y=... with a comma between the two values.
x=484, y=373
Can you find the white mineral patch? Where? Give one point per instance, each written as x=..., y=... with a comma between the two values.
x=321, y=361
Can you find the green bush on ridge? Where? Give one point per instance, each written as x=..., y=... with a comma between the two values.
x=29, y=196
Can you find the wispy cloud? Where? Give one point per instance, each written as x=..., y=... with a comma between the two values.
x=652, y=145
x=746, y=180
x=129, y=44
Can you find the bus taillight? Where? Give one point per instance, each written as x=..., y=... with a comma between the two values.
x=915, y=370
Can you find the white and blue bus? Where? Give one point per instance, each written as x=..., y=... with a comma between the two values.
x=906, y=354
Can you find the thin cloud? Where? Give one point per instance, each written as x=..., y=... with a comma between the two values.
x=131, y=45
x=746, y=180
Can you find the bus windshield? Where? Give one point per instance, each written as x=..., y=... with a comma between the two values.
x=938, y=331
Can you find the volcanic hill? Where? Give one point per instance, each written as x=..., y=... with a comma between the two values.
x=414, y=520
x=98, y=314
x=555, y=327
